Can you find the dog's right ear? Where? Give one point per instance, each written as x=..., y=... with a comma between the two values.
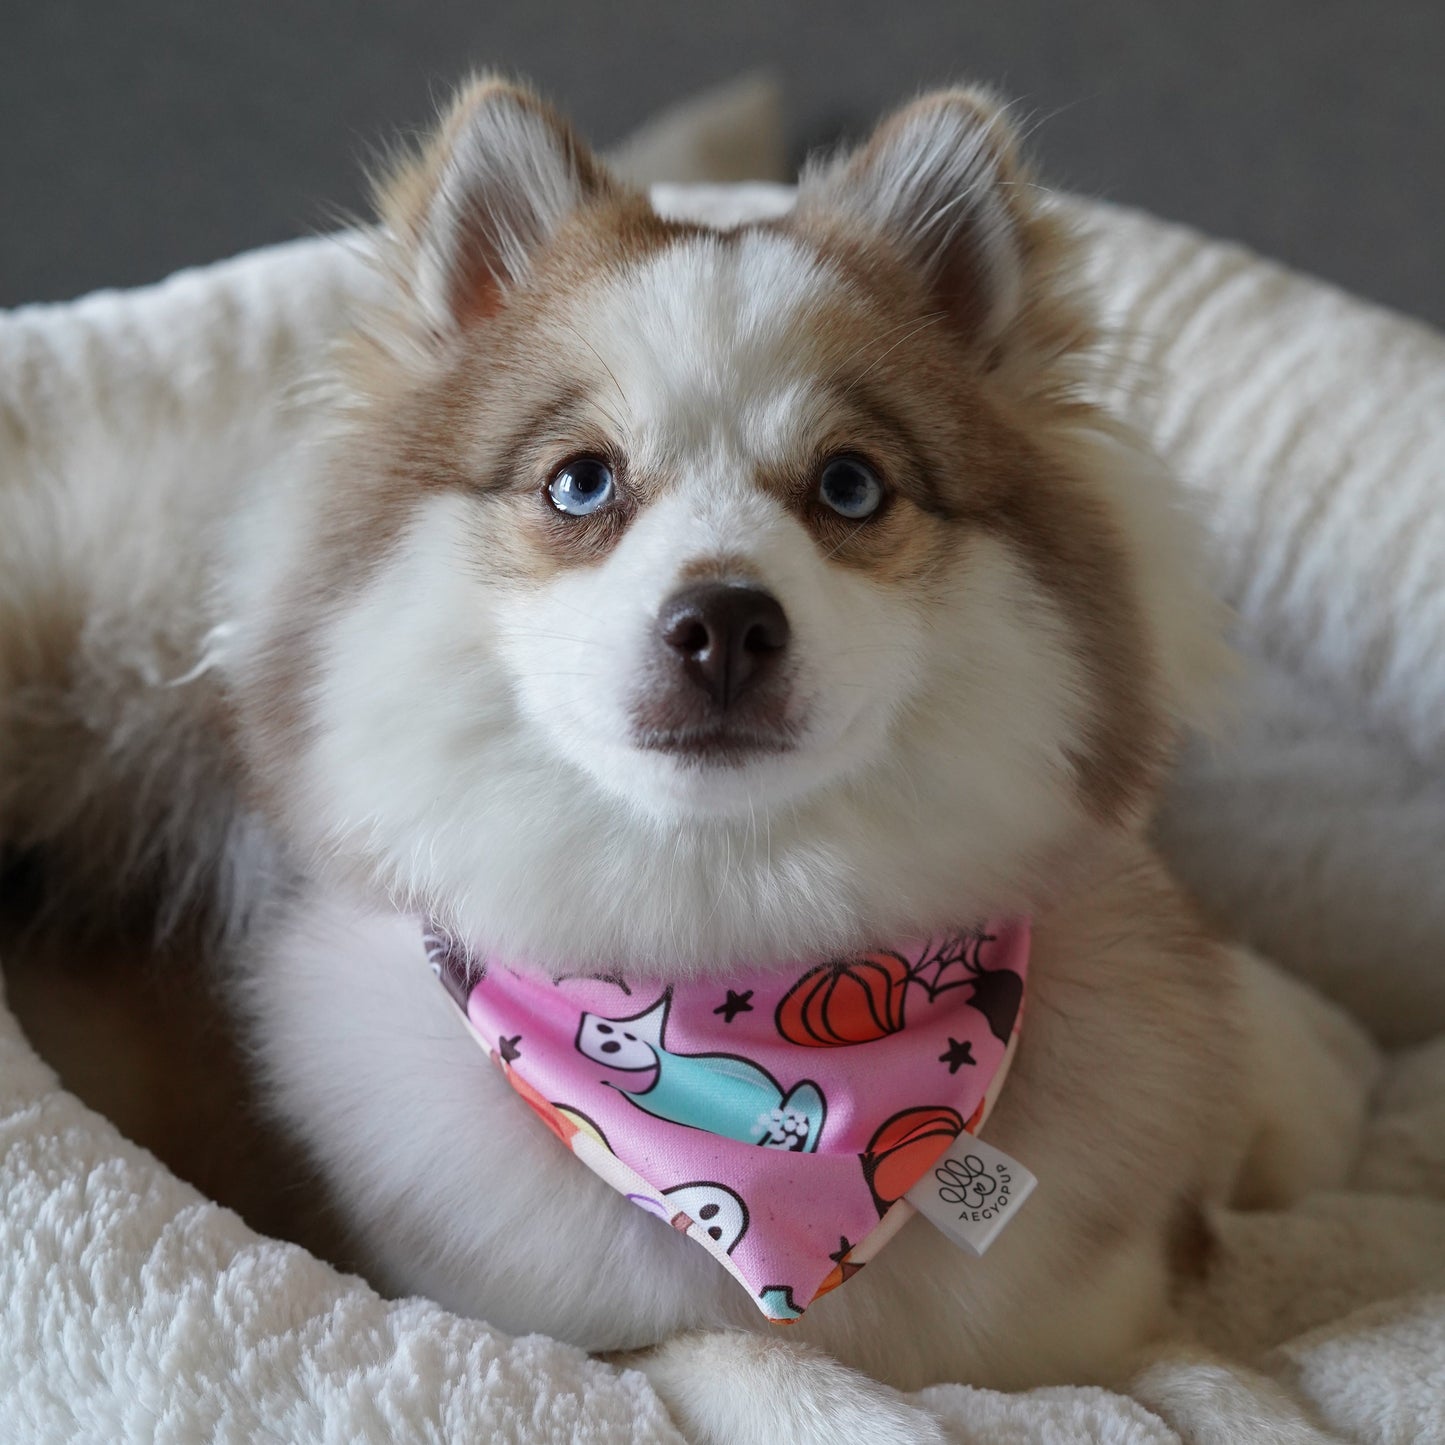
x=475, y=208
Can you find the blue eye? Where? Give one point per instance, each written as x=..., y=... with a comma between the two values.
x=850, y=488
x=581, y=487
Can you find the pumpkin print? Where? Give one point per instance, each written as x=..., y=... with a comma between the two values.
x=852, y=1002
x=564, y=1121
x=900, y=1152
x=548, y=1112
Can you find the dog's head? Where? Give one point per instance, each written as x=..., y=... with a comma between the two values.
x=671, y=595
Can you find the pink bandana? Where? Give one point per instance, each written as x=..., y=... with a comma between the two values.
x=777, y=1118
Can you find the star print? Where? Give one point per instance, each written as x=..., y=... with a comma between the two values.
x=957, y=1054
x=735, y=1004
x=508, y=1049
x=843, y=1248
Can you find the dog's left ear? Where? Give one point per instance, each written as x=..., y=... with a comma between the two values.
x=938, y=181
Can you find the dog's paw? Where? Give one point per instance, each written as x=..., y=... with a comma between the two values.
x=1404, y=1151
x=1207, y=1400
x=733, y=1388
x=1310, y=1073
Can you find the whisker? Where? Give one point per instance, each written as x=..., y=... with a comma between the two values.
x=923, y=325
x=863, y=346
x=612, y=374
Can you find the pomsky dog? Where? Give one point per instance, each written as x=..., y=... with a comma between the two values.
x=663, y=598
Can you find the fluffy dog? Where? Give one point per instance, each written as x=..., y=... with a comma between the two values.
x=659, y=599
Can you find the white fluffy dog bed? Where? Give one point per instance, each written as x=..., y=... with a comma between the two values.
x=1310, y=428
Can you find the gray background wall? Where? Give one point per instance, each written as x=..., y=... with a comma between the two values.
x=137, y=136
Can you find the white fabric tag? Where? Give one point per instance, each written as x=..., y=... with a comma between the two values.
x=972, y=1192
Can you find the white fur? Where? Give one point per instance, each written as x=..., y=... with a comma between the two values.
x=792, y=1394
x=483, y=796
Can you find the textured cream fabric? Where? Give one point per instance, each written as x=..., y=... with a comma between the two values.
x=1310, y=429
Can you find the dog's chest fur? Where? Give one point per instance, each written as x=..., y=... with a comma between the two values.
x=463, y=1193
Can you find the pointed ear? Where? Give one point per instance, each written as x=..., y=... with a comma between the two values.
x=472, y=212
x=941, y=183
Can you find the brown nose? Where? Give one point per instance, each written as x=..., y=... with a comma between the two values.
x=724, y=636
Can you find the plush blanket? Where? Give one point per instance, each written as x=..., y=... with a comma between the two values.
x=1310, y=429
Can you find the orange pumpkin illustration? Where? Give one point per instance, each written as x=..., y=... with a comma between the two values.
x=899, y=1153
x=851, y=1002
x=543, y=1107
x=563, y=1120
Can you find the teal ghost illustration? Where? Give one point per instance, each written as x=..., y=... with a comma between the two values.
x=721, y=1094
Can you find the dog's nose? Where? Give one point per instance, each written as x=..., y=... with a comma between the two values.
x=724, y=636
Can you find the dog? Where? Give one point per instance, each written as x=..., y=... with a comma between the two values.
x=666, y=602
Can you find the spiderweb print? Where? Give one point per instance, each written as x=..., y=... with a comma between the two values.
x=951, y=962
x=957, y=960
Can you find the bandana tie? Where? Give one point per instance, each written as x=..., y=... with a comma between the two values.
x=776, y=1117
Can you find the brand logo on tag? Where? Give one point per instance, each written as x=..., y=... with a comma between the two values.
x=968, y=1182
x=972, y=1192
